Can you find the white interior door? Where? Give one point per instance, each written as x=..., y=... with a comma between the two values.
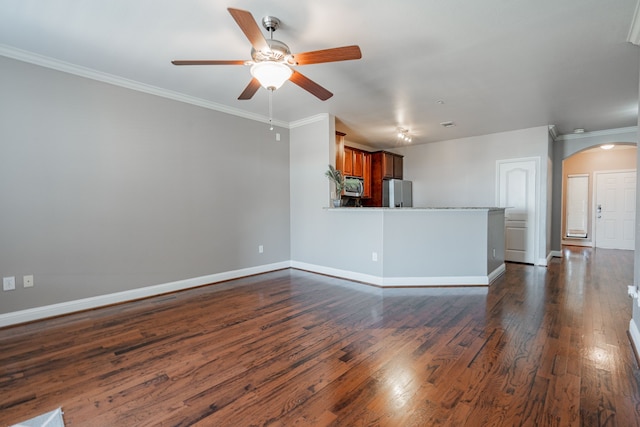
x=517, y=191
x=615, y=210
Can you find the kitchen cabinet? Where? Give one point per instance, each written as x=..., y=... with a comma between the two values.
x=391, y=165
x=384, y=165
x=354, y=162
x=347, y=165
x=397, y=167
x=366, y=175
x=358, y=163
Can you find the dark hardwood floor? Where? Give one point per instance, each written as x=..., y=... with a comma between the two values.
x=541, y=347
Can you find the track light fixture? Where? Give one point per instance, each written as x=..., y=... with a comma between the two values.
x=403, y=135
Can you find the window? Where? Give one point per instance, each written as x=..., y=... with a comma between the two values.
x=577, y=205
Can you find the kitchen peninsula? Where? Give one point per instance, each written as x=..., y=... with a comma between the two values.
x=419, y=246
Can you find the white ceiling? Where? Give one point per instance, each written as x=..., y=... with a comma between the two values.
x=498, y=65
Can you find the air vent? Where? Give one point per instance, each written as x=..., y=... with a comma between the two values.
x=447, y=124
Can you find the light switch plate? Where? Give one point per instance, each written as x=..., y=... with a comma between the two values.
x=8, y=283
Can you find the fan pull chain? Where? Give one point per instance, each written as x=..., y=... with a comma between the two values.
x=270, y=109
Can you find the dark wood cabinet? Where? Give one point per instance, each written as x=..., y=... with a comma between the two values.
x=347, y=165
x=391, y=165
x=358, y=163
x=366, y=175
x=384, y=165
x=354, y=162
x=397, y=167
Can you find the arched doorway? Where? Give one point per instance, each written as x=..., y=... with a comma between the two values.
x=598, y=197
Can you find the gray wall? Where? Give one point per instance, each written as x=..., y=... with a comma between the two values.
x=319, y=236
x=105, y=189
x=566, y=147
x=415, y=241
x=462, y=172
x=495, y=240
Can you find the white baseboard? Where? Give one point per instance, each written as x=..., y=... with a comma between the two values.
x=635, y=336
x=37, y=313
x=343, y=274
x=545, y=261
x=570, y=242
x=556, y=254
x=497, y=272
x=390, y=282
x=52, y=310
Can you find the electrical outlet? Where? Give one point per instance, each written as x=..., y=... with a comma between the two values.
x=260, y=249
x=374, y=256
x=8, y=283
x=27, y=281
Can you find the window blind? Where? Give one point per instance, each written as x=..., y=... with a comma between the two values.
x=577, y=205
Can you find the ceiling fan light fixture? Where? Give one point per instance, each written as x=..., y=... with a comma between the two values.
x=270, y=74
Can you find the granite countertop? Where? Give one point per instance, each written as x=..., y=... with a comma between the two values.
x=413, y=209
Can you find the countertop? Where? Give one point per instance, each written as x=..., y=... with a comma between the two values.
x=413, y=209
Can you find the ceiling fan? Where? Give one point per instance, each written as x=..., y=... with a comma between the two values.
x=272, y=59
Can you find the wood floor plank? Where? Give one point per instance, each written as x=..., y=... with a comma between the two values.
x=540, y=347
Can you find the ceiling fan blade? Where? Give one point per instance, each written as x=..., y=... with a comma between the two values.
x=310, y=86
x=207, y=62
x=250, y=28
x=328, y=55
x=250, y=90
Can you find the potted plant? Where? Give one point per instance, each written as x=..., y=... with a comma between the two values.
x=336, y=177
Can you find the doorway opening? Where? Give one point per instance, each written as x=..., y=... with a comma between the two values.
x=583, y=174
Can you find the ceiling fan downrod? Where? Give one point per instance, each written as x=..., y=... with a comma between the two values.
x=271, y=24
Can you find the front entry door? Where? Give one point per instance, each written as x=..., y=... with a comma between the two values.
x=615, y=210
x=517, y=191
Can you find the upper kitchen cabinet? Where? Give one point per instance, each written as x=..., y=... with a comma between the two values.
x=390, y=164
x=353, y=163
x=397, y=167
x=384, y=165
x=347, y=162
x=350, y=161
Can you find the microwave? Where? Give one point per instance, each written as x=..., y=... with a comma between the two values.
x=353, y=187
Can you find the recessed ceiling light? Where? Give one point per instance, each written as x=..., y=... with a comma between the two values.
x=607, y=146
x=447, y=124
x=440, y=101
x=578, y=130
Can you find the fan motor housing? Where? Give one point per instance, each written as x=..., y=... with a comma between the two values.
x=278, y=52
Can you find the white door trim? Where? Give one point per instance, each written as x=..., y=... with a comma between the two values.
x=536, y=216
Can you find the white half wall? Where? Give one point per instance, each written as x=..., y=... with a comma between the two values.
x=462, y=172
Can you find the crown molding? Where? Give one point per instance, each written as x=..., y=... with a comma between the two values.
x=606, y=132
x=308, y=120
x=66, y=67
x=634, y=30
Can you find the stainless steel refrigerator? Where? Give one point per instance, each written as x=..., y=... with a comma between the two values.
x=396, y=193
